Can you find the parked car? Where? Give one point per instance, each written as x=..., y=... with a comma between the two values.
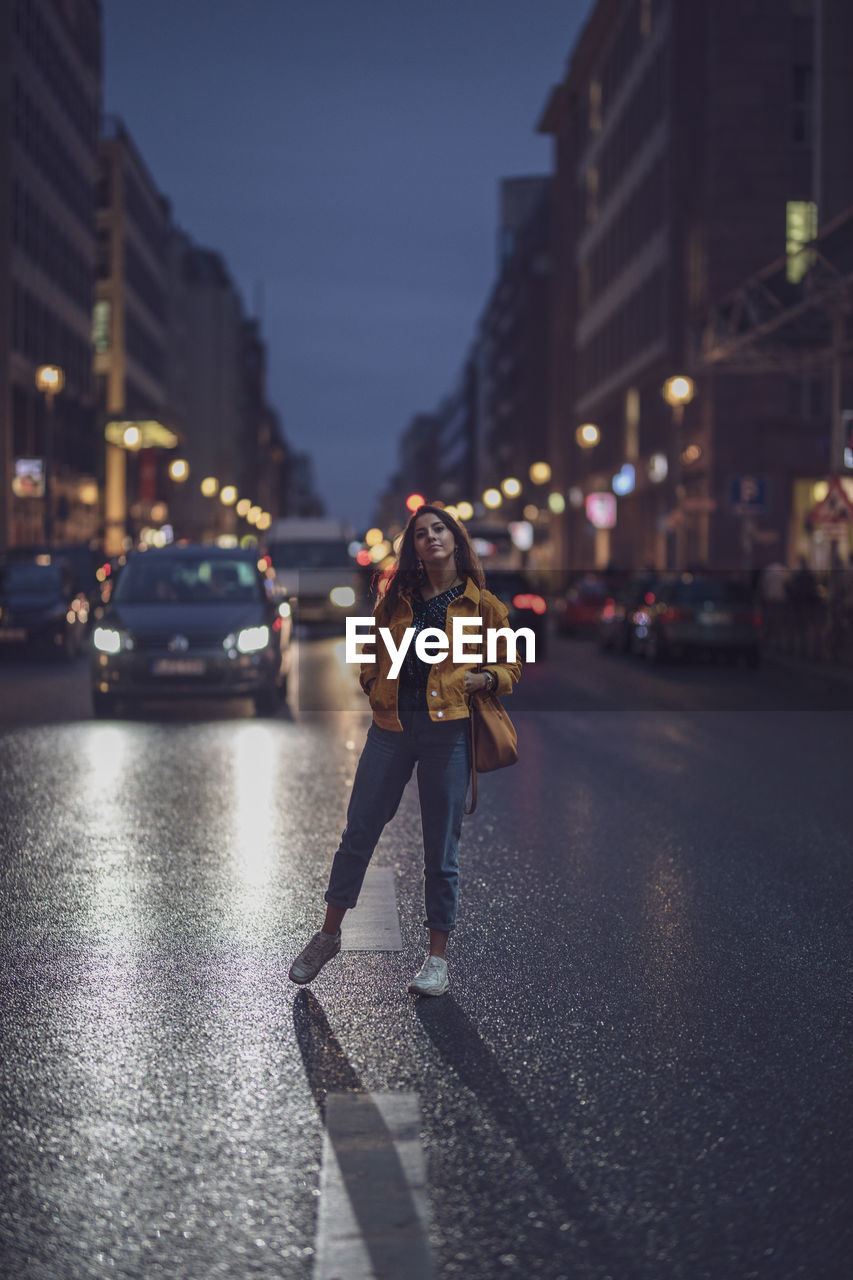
x=581, y=607
x=41, y=607
x=525, y=605
x=616, y=620
x=192, y=621
x=689, y=614
x=83, y=560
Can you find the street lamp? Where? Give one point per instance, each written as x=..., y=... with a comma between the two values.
x=50, y=380
x=588, y=435
x=540, y=472
x=179, y=470
x=677, y=392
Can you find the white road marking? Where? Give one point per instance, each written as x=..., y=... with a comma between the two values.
x=373, y=1217
x=374, y=925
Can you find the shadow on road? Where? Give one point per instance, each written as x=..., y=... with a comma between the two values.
x=370, y=1166
x=458, y=1041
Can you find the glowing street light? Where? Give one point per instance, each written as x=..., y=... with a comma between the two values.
x=540, y=472
x=179, y=470
x=228, y=495
x=588, y=435
x=511, y=487
x=209, y=486
x=464, y=510
x=492, y=498
x=678, y=390
x=50, y=379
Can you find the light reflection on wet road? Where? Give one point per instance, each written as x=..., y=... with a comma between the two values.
x=640, y=1069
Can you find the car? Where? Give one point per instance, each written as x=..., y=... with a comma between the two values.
x=85, y=564
x=41, y=607
x=525, y=605
x=192, y=621
x=689, y=614
x=581, y=607
x=616, y=620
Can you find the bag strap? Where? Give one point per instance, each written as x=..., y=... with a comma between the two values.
x=471, y=714
x=473, y=760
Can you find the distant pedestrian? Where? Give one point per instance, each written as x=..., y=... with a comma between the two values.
x=806, y=606
x=773, y=588
x=420, y=719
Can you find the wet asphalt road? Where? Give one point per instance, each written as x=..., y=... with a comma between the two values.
x=642, y=1069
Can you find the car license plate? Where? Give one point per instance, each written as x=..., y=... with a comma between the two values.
x=715, y=618
x=178, y=667
x=13, y=635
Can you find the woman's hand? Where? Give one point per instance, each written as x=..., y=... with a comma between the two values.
x=475, y=681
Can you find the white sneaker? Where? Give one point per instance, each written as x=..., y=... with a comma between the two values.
x=322, y=948
x=431, y=980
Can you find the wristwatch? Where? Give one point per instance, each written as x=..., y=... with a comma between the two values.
x=493, y=681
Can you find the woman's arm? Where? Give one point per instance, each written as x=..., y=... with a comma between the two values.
x=506, y=673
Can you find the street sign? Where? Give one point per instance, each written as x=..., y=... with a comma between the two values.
x=748, y=495
x=835, y=510
x=28, y=479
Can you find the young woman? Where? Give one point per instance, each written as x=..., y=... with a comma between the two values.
x=420, y=718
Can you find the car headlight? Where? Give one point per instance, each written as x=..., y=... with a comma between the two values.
x=111, y=640
x=249, y=640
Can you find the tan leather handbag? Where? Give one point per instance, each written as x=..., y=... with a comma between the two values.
x=494, y=741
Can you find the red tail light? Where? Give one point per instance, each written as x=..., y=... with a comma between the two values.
x=609, y=609
x=536, y=603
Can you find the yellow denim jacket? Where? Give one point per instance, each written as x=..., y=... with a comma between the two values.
x=446, y=697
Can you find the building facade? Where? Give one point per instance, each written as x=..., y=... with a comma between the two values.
x=130, y=336
x=50, y=96
x=694, y=142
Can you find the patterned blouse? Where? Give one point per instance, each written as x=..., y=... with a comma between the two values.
x=425, y=613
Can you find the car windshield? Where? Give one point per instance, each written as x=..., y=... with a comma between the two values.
x=310, y=554
x=186, y=580
x=30, y=579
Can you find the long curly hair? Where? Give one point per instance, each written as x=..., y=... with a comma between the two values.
x=405, y=575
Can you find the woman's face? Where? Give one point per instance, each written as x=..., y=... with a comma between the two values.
x=434, y=543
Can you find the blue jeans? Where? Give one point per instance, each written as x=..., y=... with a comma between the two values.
x=441, y=751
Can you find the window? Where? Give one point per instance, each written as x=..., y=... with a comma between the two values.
x=802, y=105
x=591, y=195
x=101, y=325
x=800, y=228
x=595, y=106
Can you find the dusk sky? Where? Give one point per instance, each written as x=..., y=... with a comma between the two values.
x=344, y=156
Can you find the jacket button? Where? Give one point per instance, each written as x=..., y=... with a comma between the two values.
x=440, y=714
x=434, y=693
